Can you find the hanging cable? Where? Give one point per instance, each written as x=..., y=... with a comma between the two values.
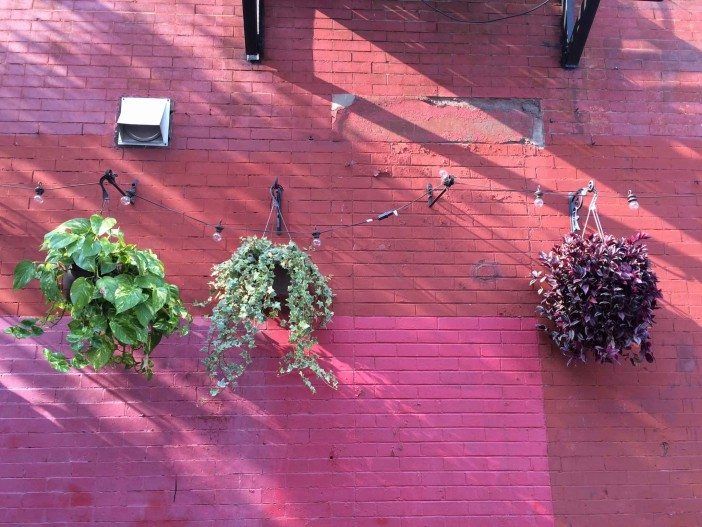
x=488, y=21
x=26, y=186
x=129, y=196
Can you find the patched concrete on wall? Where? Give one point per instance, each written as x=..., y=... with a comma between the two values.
x=437, y=119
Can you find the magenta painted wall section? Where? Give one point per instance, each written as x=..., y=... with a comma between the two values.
x=437, y=422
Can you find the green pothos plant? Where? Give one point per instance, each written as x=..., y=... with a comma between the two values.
x=115, y=294
x=243, y=288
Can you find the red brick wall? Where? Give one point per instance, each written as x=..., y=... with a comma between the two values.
x=619, y=445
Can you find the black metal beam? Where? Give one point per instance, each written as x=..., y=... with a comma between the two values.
x=576, y=28
x=253, y=29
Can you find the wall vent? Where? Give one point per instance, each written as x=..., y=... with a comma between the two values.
x=143, y=122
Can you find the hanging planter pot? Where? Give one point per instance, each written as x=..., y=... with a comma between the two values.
x=263, y=280
x=281, y=282
x=598, y=294
x=75, y=271
x=115, y=294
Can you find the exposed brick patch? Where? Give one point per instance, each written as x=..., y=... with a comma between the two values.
x=437, y=120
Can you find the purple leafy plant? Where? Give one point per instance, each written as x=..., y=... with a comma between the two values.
x=599, y=294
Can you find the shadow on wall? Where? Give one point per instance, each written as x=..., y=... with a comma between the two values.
x=447, y=423
x=296, y=68
x=446, y=411
x=624, y=439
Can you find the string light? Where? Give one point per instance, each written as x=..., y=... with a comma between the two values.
x=633, y=202
x=538, y=197
x=316, y=239
x=217, y=235
x=445, y=177
x=39, y=194
x=447, y=180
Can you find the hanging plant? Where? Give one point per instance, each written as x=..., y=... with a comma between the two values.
x=599, y=294
x=116, y=295
x=264, y=280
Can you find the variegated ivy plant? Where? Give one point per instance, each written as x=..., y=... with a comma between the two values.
x=243, y=289
x=116, y=295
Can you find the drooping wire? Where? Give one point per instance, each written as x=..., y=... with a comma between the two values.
x=185, y=215
x=24, y=186
x=487, y=21
x=371, y=219
x=335, y=228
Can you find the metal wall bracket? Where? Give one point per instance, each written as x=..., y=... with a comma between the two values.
x=575, y=202
x=277, y=203
x=110, y=177
x=447, y=180
x=576, y=28
x=253, y=29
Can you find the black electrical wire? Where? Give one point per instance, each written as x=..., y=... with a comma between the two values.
x=164, y=207
x=488, y=21
x=372, y=219
x=28, y=187
x=332, y=229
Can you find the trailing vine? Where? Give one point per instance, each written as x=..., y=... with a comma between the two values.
x=116, y=295
x=243, y=288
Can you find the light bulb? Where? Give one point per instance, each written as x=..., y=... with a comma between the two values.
x=316, y=239
x=217, y=235
x=538, y=197
x=445, y=176
x=39, y=194
x=125, y=200
x=633, y=202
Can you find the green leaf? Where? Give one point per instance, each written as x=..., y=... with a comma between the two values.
x=159, y=297
x=144, y=314
x=25, y=272
x=123, y=331
x=48, y=285
x=58, y=361
x=107, y=285
x=84, y=261
x=106, y=265
x=148, y=282
x=100, y=355
x=56, y=239
x=100, y=225
x=128, y=296
x=89, y=247
x=81, y=293
x=79, y=361
x=75, y=225
x=29, y=327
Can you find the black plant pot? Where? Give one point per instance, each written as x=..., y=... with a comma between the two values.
x=74, y=272
x=281, y=282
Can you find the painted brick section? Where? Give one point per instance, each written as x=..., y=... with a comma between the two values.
x=421, y=433
x=430, y=301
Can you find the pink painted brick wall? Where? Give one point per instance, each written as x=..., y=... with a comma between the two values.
x=431, y=301
x=419, y=434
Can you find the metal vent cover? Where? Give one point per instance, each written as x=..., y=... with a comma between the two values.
x=143, y=121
